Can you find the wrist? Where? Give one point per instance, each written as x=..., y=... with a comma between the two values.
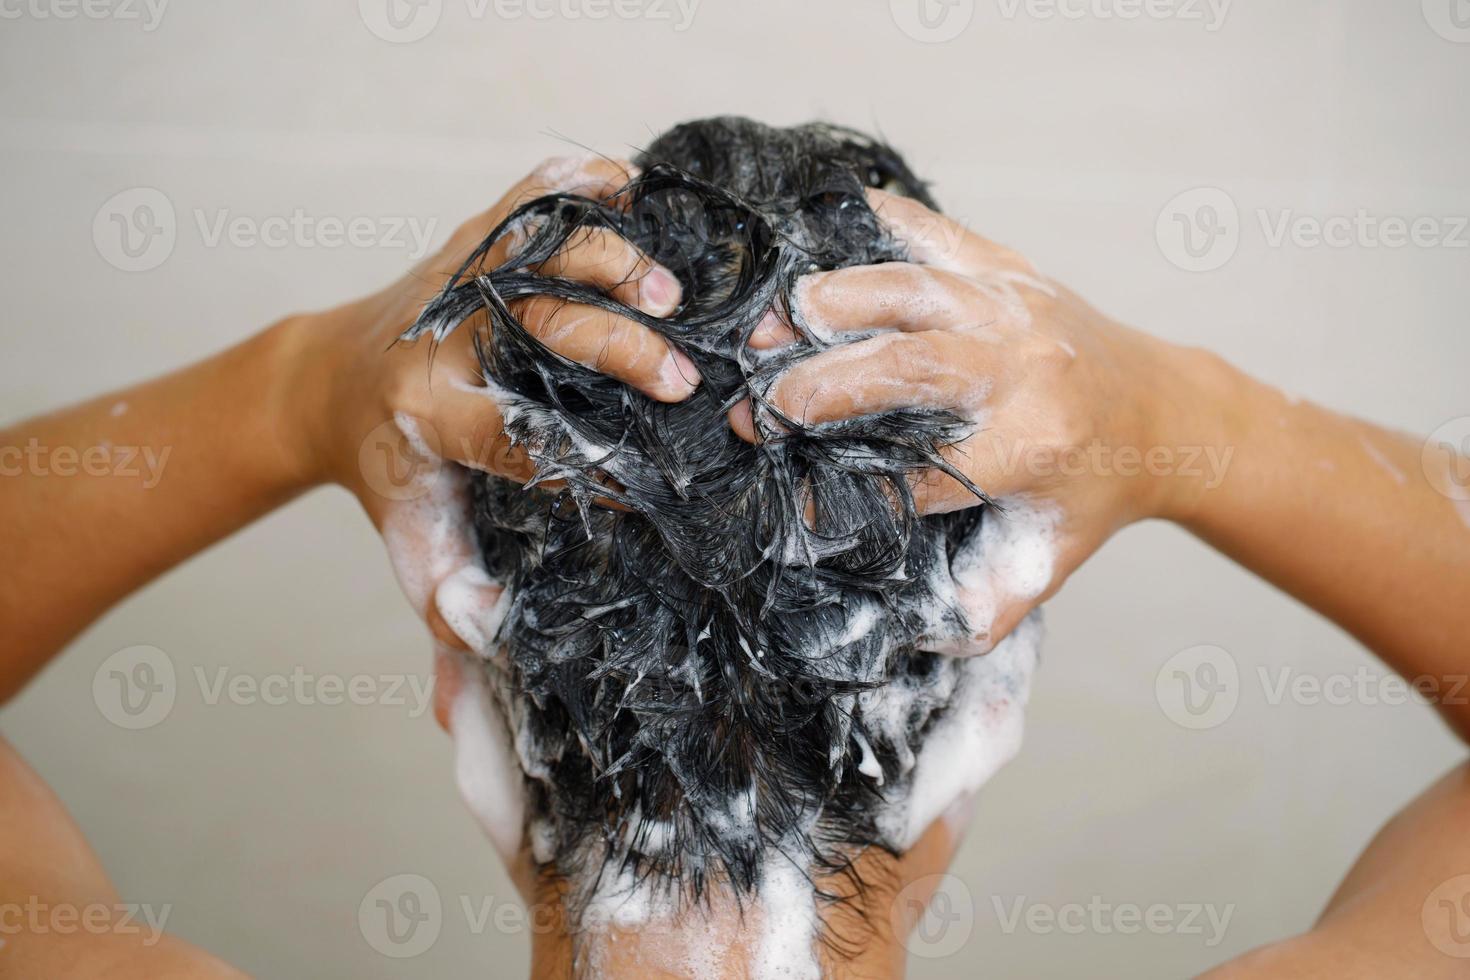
x=301, y=375
x=1191, y=398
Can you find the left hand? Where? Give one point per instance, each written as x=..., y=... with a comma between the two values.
x=1066, y=402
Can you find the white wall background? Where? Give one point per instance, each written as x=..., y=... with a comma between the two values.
x=1066, y=136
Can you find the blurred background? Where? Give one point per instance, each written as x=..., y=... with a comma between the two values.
x=180, y=174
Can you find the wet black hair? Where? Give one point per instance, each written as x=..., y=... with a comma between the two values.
x=685, y=677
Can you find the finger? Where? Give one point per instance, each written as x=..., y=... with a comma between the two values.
x=935, y=491
x=470, y=423
x=933, y=369
x=741, y=421
x=466, y=422
x=467, y=610
x=937, y=240
x=448, y=665
x=592, y=176
x=425, y=524
x=771, y=332
x=473, y=423
x=998, y=596
x=984, y=460
x=614, y=345
x=589, y=175
x=603, y=258
x=989, y=624
x=897, y=296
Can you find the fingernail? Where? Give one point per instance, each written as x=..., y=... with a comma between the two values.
x=661, y=292
x=771, y=333
x=742, y=422
x=679, y=375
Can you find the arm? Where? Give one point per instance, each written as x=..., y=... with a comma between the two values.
x=1069, y=405
x=102, y=497
x=1085, y=426
x=1346, y=517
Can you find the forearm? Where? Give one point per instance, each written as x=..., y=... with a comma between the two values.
x=104, y=496
x=1338, y=513
x=165, y=469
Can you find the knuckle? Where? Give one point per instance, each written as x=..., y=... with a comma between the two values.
x=814, y=292
x=1010, y=258
x=916, y=354
x=793, y=390
x=893, y=356
x=902, y=209
x=552, y=168
x=619, y=254
x=403, y=391
x=538, y=313
x=1046, y=351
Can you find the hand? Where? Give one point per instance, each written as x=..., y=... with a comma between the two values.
x=1066, y=403
x=386, y=419
x=367, y=377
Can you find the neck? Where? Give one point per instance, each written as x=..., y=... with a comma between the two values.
x=860, y=937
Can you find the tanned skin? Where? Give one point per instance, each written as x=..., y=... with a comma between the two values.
x=1375, y=542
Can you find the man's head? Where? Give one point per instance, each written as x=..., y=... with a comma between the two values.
x=724, y=674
